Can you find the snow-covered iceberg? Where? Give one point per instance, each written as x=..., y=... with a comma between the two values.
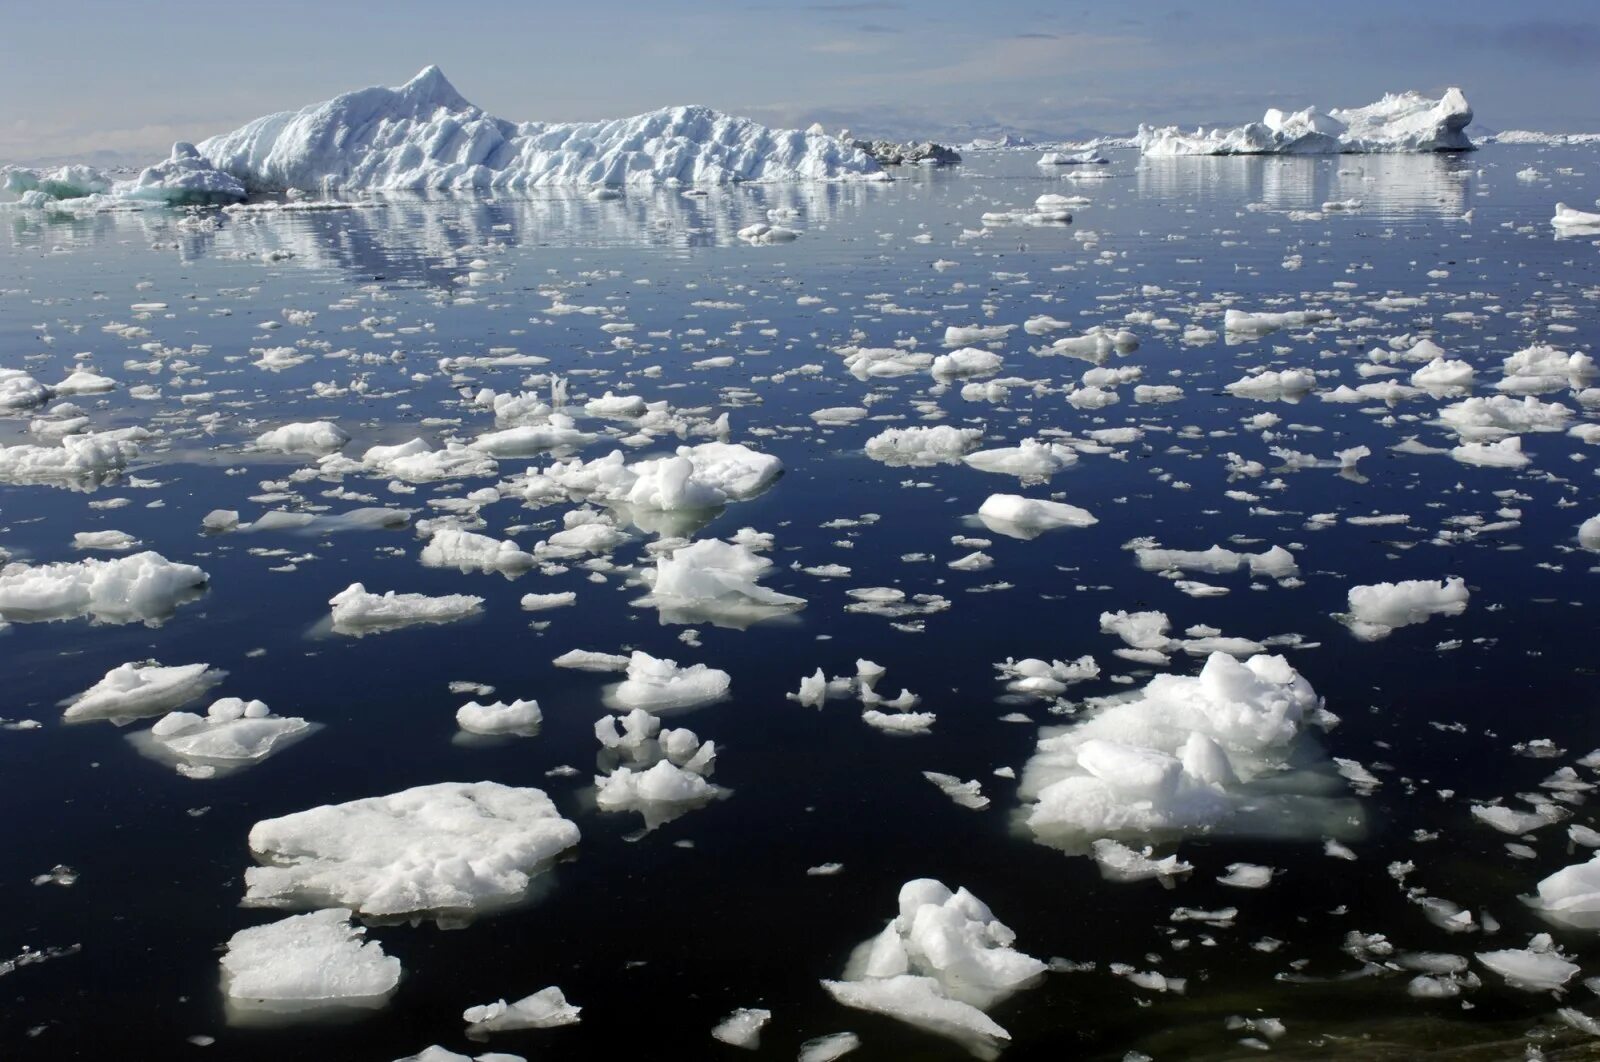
x=425, y=136
x=1403, y=121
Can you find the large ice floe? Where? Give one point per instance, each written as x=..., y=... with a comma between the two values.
x=139, y=588
x=941, y=963
x=1184, y=755
x=424, y=135
x=303, y=965
x=443, y=850
x=1405, y=121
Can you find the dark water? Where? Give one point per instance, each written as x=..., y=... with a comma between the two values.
x=658, y=941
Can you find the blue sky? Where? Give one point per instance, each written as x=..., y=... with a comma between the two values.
x=131, y=80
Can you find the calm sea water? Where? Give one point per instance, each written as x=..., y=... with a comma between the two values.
x=659, y=937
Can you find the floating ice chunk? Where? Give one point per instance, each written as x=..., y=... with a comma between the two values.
x=415, y=462
x=1514, y=822
x=761, y=232
x=1442, y=374
x=939, y=965
x=518, y=717
x=305, y=963
x=660, y=794
x=1540, y=967
x=715, y=581
x=448, y=847
x=85, y=382
x=545, y=1009
x=1139, y=630
x=1571, y=896
x=1589, y=533
x=1571, y=218
x=967, y=361
x=963, y=336
x=742, y=1028
x=1286, y=386
x=19, y=390
x=355, y=611
x=110, y=541
x=1495, y=416
x=1506, y=453
x=133, y=691
x=220, y=520
x=79, y=460
x=435, y=1053
x=1026, y=518
x=1247, y=876
x=311, y=437
x=922, y=446
x=899, y=722
x=965, y=794
x=1118, y=862
x=1277, y=562
x=1046, y=678
x=233, y=733
x=1170, y=759
x=525, y=440
x=424, y=136
x=587, y=660
x=142, y=587
x=657, y=684
x=1376, y=610
x=829, y=1047
x=1094, y=345
x=468, y=552
x=1031, y=459
x=542, y=602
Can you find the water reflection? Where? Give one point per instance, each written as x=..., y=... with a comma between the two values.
x=1388, y=186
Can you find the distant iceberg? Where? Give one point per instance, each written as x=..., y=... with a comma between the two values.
x=424, y=136
x=1400, y=122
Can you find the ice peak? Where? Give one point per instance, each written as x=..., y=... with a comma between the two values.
x=431, y=86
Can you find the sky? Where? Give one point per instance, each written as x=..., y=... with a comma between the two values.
x=114, y=78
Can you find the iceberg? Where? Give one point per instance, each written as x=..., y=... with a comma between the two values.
x=424, y=136
x=1400, y=122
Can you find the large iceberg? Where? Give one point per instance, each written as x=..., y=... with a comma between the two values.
x=424, y=136
x=1403, y=121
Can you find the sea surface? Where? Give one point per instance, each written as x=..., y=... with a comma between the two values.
x=659, y=934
